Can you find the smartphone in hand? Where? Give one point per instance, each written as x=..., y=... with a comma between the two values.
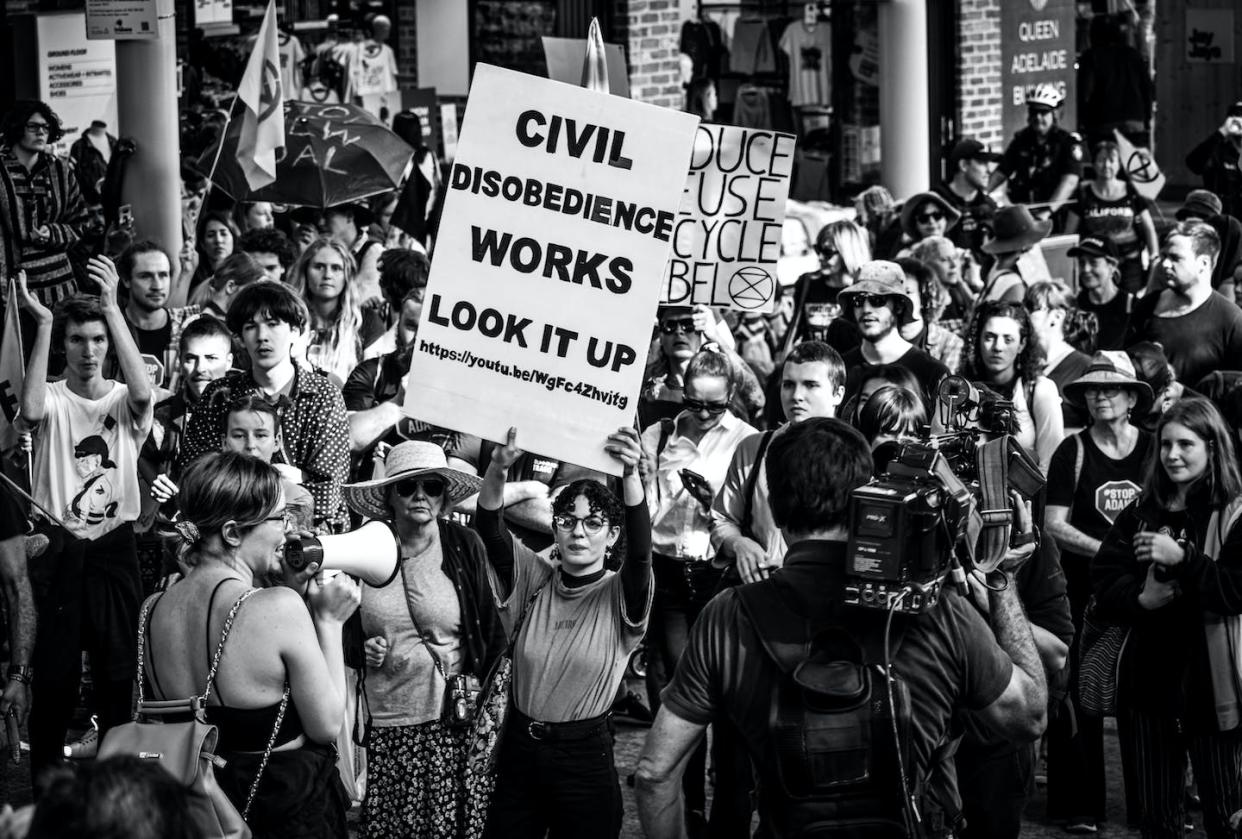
x=697, y=486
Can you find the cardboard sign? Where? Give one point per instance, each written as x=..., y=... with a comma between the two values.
x=556, y=229
x=1113, y=497
x=727, y=240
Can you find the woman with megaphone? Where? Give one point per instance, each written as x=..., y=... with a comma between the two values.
x=432, y=633
x=278, y=692
x=578, y=621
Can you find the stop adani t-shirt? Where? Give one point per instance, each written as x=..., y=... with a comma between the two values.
x=86, y=462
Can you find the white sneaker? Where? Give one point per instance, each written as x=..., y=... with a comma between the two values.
x=85, y=747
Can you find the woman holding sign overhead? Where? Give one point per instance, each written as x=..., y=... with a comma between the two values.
x=577, y=622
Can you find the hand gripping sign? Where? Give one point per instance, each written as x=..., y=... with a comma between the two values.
x=727, y=238
x=552, y=246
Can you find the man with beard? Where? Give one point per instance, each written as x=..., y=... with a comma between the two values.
x=1200, y=330
x=879, y=304
x=146, y=276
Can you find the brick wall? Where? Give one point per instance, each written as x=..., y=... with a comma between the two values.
x=405, y=37
x=979, y=68
x=649, y=30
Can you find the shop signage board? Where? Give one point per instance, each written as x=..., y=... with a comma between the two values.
x=213, y=12
x=727, y=239
x=556, y=229
x=77, y=76
x=122, y=20
x=1209, y=36
x=1037, y=47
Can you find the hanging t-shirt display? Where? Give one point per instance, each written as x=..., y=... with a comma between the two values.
x=810, y=62
x=752, y=48
x=291, y=56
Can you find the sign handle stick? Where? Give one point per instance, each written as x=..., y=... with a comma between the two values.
x=224, y=134
x=44, y=510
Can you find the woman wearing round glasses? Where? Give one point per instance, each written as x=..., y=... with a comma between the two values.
x=686, y=459
x=579, y=623
x=280, y=685
x=431, y=625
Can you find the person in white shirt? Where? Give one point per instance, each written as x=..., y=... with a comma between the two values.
x=89, y=432
x=684, y=461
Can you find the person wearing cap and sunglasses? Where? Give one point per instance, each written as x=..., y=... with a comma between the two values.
x=879, y=304
x=1098, y=292
x=1043, y=162
x=1218, y=158
x=579, y=623
x=1094, y=475
x=433, y=621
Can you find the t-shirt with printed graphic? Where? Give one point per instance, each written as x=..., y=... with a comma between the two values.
x=1104, y=488
x=810, y=63
x=86, y=463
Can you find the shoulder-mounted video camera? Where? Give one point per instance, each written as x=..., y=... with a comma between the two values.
x=942, y=505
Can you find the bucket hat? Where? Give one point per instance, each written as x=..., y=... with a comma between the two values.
x=1110, y=368
x=1201, y=203
x=411, y=459
x=1016, y=229
x=882, y=278
x=915, y=203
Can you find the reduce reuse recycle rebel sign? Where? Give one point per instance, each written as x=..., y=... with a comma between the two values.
x=727, y=238
x=551, y=251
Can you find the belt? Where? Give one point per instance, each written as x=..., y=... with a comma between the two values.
x=557, y=731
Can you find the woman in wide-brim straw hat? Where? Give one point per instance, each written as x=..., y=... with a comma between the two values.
x=1094, y=474
x=435, y=620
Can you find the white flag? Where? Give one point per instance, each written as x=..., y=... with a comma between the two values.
x=263, y=123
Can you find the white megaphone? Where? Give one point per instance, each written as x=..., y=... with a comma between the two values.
x=370, y=553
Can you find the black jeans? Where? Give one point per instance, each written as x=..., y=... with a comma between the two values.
x=995, y=781
x=564, y=789
x=87, y=594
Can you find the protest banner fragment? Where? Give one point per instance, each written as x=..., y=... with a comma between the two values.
x=727, y=239
x=552, y=246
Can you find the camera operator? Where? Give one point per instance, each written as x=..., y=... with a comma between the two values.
x=749, y=640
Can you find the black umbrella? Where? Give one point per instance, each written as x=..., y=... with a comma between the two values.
x=333, y=154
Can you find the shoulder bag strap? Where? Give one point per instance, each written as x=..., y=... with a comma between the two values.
x=517, y=627
x=1079, y=454
x=224, y=636
x=405, y=595
x=145, y=613
x=752, y=482
x=271, y=744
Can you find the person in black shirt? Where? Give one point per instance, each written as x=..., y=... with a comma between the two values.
x=1218, y=160
x=146, y=276
x=967, y=190
x=1098, y=293
x=1205, y=206
x=843, y=248
x=1043, y=163
x=878, y=302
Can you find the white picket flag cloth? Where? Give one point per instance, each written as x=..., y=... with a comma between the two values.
x=263, y=122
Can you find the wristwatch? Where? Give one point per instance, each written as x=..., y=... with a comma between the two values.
x=20, y=673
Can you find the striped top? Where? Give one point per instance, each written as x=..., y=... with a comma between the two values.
x=46, y=194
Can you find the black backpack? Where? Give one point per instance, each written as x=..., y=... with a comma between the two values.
x=831, y=766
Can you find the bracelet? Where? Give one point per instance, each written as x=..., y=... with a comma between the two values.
x=20, y=673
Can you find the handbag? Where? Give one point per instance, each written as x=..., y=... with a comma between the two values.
x=1099, y=661
x=187, y=750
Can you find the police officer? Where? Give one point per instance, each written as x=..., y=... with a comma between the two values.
x=1043, y=163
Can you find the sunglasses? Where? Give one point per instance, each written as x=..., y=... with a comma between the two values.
x=432, y=487
x=698, y=406
x=591, y=524
x=826, y=252
x=682, y=325
x=1108, y=391
x=876, y=301
x=932, y=216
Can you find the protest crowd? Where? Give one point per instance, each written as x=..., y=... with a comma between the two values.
x=264, y=516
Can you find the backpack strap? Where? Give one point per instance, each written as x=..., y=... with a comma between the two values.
x=666, y=431
x=752, y=482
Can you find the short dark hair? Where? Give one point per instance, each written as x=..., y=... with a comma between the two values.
x=21, y=112
x=255, y=403
x=891, y=410
x=268, y=240
x=276, y=299
x=402, y=270
x=125, y=262
x=809, y=351
x=812, y=468
x=203, y=326
x=1204, y=240
x=78, y=309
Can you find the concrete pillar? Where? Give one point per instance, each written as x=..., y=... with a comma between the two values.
x=905, y=134
x=146, y=81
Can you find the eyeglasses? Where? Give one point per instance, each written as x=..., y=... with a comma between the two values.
x=432, y=487
x=827, y=252
x=591, y=524
x=285, y=518
x=683, y=325
x=875, y=301
x=1108, y=391
x=934, y=215
x=698, y=406
x=38, y=128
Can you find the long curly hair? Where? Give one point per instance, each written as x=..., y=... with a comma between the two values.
x=1030, y=361
x=601, y=501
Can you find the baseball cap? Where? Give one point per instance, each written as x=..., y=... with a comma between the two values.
x=971, y=150
x=1095, y=246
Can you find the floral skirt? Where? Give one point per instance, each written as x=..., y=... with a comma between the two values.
x=416, y=784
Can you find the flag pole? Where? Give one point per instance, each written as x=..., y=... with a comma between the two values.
x=224, y=134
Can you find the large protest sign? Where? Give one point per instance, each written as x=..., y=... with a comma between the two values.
x=727, y=239
x=556, y=229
